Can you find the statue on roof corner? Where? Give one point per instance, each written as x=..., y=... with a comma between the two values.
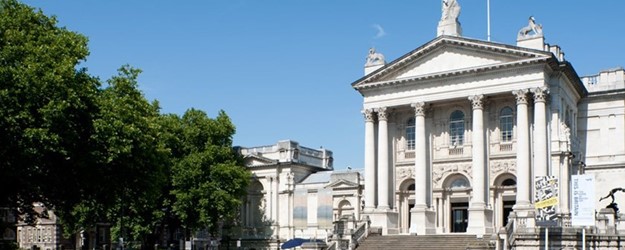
x=531, y=27
x=451, y=10
x=374, y=58
x=613, y=204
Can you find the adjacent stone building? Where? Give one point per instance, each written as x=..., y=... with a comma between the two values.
x=295, y=193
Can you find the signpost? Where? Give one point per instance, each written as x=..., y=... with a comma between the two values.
x=583, y=214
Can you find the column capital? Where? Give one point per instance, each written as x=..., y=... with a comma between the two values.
x=419, y=108
x=477, y=101
x=521, y=96
x=540, y=94
x=368, y=113
x=382, y=113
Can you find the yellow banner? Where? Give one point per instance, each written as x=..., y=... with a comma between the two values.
x=547, y=203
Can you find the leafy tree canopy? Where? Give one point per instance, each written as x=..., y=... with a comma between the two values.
x=46, y=109
x=208, y=179
x=96, y=154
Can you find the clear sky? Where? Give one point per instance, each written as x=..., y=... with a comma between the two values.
x=283, y=69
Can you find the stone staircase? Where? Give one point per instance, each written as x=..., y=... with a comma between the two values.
x=425, y=242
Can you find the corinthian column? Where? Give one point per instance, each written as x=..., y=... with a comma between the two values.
x=420, y=163
x=479, y=151
x=383, y=170
x=523, y=151
x=540, y=131
x=422, y=219
x=369, y=160
x=479, y=215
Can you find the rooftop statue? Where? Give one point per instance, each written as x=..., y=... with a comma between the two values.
x=451, y=10
x=374, y=58
x=531, y=27
x=613, y=204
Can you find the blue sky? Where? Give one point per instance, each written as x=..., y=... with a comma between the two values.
x=283, y=69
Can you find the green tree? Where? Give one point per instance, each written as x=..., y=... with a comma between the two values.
x=208, y=179
x=132, y=158
x=47, y=103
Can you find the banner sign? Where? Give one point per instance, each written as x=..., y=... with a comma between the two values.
x=546, y=200
x=583, y=207
x=324, y=208
x=300, y=213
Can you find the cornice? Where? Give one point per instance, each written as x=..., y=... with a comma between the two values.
x=449, y=40
x=452, y=73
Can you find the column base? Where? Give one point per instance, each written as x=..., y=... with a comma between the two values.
x=385, y=219
x=480, y=221
x=368, y=210
x=524, y=218
x=422, y=221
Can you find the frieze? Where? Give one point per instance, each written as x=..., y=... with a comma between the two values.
x=405, y=173
x=442, y=170
x=498, y=167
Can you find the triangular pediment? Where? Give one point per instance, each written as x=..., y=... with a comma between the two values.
x=451, y=56
x=342, y=184
x=253, y=160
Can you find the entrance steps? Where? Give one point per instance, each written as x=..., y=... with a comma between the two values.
x=426, y=242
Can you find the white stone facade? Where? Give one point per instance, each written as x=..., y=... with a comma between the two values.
x=290, y=181
x=457, y=129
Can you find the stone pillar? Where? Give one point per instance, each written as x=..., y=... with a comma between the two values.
x=478, y=198
x=420, y=157
x=422, y=219
x=541, y=155
x=479, y=216
x=383, y=169
x=370, y=174
x=523, y=152
x=383, y=218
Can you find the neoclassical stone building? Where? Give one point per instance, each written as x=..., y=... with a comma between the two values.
x=457, y=129
x=295, y=193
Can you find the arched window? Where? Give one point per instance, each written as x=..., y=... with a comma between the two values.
x=508, y=183
x=505, y=124
x=411, y=187
x=459, y=183
x=456, y=128
x=410, y=134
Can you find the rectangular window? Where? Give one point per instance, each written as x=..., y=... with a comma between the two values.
x=456, y=133
x=506, y=128
x=410, y=138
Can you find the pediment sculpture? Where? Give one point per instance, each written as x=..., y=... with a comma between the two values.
x=451, y=10
x=374, y=58
x=531, y=30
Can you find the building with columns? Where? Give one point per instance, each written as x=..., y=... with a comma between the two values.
x=457, y=129
x=295, y=193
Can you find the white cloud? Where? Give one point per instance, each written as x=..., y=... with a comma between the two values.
x=380, y=30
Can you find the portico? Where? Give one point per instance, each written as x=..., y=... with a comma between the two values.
x=429, y=213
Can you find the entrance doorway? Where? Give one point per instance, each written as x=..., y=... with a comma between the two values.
x=410, y=207
x=507, y=208
x=459, y=217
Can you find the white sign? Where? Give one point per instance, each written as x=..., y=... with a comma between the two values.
x=583, y=206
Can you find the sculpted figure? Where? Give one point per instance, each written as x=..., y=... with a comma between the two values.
x=374, y=58
x=613, y=204
x=451, y=10
x=531, y=27
x=611, y=194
